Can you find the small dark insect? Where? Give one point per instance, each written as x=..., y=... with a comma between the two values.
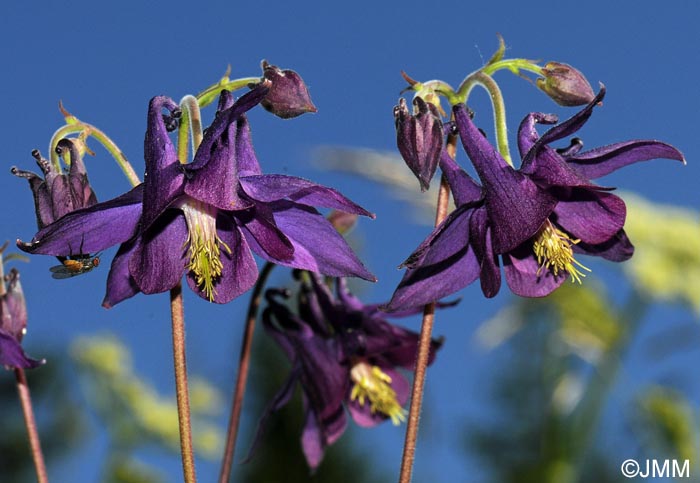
x=75, y=265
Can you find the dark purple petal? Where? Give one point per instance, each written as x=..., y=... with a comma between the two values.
x=448, y=265
x=527, y=133
x=313, y=442
x=616, y=249
x=42, y=197
x=601, y=161
x=464, y=189
x=317, y=245
x=273, y=187
x=213, y=173
x=12, y=356
x=120, y=283
x=490, y=271
x=548, y=169
x=259, y=223
x=516, y=205
x=248, y=164
x=566, y=128
x=159, y=257
x=239, y=272
x=592, y=216
x=524, y=276
x=90, y=230
x=163, y=177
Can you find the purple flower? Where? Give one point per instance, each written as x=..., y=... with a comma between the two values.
x=534, y=219
x=419, y=138
x=206, y=218
x=58, y=194
x=13, y=326
x=344, y=354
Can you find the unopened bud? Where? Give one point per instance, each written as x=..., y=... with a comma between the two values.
x=565, y=85
x=288, y=96
x=419, y=138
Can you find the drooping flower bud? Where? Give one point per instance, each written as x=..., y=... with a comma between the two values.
x=58, y=194
x=565, y=85
x=419, y=138
x=288, y=96
x=13, y=325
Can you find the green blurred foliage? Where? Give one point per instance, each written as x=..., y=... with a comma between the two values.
x=134, y=414
x=666, y=262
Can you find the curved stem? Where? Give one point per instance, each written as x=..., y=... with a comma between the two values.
x=102, y=138
x=499, y=108
x=183, y=399
x=409, y=448
x=191, y=123
x=30, y=422
x=242, y=377
x=208, y=95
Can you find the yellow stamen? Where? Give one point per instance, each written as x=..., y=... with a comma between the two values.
x=204, y=245
x=553, y=250
x=373, y=385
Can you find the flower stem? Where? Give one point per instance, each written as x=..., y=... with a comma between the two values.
x=499, y=108
x=102, y=138
x=242, y=377
x=181, y=389
x=30, y=422
x=191, y=122
x=409, y=448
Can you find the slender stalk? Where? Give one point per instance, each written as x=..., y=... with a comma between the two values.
x=499, y=108
x=30, y=422
x=242, y=377
x=181, y=388
x=103, y=139
x=409, y=448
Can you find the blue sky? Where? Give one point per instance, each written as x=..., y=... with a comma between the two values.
x=106, y=60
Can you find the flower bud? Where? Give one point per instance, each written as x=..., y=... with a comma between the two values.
x=565, y=85
x=419, y=138
x=288, y=96
x=342, y=221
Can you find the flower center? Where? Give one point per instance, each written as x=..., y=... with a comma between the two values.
x=204, y=245
x=553, y=250
x=373, y=385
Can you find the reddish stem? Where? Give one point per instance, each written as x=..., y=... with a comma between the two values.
x=30, y=422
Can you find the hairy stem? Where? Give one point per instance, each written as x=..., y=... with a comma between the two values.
x=409, y=448
x=30, y=422
x=181, y=388
x=242, y=377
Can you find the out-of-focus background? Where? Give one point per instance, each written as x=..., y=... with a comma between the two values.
x=561, y=389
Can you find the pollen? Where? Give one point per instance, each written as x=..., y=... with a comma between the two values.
x=372, y=385
x=554, y=252
x=204, y=245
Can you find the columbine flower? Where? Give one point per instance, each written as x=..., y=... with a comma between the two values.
x=343, y=353
x=57, y=194
x=535, y=218
x=419, y=138
x=13, y=326
x=204, y=218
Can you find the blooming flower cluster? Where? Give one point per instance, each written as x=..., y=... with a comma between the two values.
x=206, y=218
x=345, y=355
x=533, y=219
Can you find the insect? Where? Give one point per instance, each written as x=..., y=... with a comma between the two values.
x=75, y=265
